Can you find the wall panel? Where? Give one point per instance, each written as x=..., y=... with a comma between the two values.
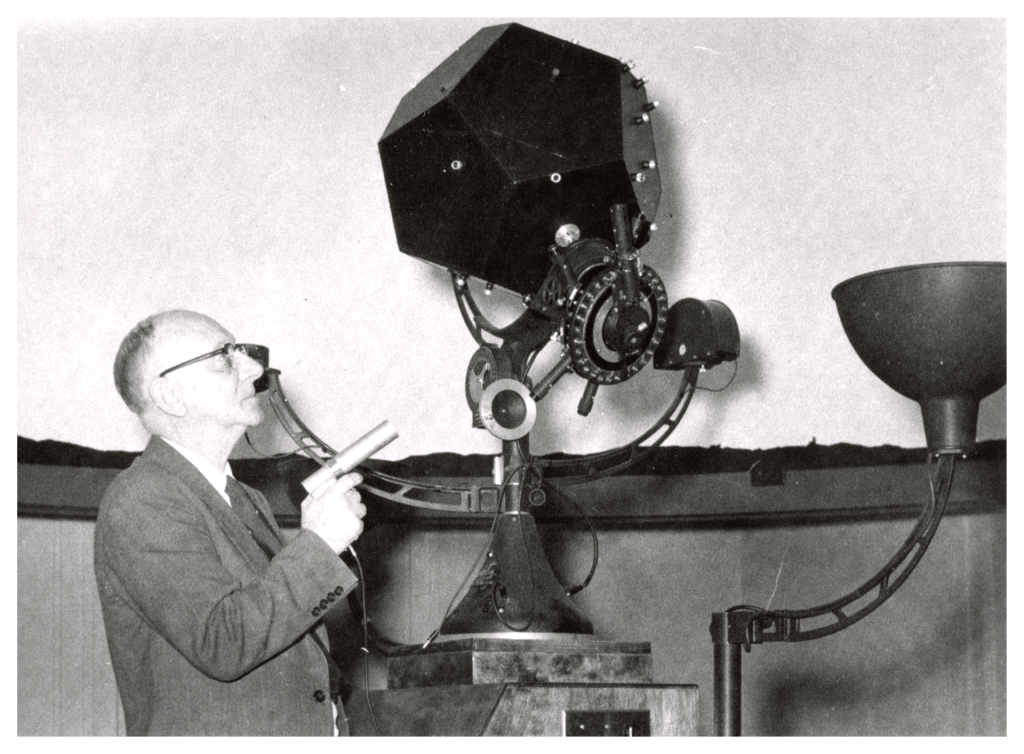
x=65, y=682
x=930, y=661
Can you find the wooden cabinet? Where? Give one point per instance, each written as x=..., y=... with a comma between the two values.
x=528, y=709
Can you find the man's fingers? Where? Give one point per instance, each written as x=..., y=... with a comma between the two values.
x=352, y=479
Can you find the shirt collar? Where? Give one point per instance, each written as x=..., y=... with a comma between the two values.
x=217, y=477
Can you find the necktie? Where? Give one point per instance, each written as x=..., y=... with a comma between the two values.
x=253, y=518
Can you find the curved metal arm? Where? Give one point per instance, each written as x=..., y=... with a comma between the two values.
x=605, y=463
x=475, y=320
x=301, y=434
x=452, y=499
x=752, y=625
x=482, y=498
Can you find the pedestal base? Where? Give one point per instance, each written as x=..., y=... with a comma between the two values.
x=526, y=685
x=526, y=709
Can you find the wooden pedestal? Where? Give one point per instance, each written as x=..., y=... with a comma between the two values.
x=528, y=709
x=562, y=686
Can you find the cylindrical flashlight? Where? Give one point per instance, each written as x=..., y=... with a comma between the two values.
x=349, y=458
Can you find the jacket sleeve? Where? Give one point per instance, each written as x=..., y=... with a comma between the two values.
x=166, y=558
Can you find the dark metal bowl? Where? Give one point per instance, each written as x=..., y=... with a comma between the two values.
x=935, y=333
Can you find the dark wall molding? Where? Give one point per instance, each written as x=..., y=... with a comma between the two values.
x=674, y=487
x=661, y=461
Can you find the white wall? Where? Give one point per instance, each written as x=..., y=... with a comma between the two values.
x=230, y=166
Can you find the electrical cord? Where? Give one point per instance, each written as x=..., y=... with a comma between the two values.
x=533, y=468
x=366, y=640
x=390, y=648
x=521, y=469
x=593, y=534
x=465, y=581
x=735, y=371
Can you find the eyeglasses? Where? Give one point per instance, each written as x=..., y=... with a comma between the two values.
x=260, y=354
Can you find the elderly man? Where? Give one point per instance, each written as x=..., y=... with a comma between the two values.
x=213, y=618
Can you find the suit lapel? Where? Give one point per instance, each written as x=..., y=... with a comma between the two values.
x=204, y=492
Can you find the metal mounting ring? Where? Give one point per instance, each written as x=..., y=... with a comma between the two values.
x=487, y=409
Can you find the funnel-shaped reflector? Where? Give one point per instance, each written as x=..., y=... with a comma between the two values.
x=935, y=333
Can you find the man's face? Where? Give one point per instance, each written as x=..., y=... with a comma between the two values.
x=217, y=391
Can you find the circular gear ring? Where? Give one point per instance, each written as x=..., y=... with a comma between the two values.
x=593, y=357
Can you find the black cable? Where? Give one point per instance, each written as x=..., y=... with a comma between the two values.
x=487, y=546
x=735, y=371
x=366, y=640
x=593, y=534
x=390, y=648
x=472, y=571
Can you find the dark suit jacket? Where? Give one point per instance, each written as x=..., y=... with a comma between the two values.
x=208, y=637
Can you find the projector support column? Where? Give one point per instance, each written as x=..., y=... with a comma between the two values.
x=728, y=678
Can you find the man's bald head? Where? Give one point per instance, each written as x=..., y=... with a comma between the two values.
x=138, y=357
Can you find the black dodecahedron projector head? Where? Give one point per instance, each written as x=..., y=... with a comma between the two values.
x=513, y=136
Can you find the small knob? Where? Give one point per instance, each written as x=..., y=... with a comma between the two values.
x=587, y=401
x=567, y=235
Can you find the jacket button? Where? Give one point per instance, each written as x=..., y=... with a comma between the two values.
x=339, y=591
x=324, y=604
x=316, y=612
x=319, y=695
x=331, y=597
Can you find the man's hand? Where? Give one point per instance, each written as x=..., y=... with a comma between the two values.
x=337, y=515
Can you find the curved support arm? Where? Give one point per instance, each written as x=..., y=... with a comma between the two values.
x=744, y=625
x=605, y=463
x=752, y=625
x=302, y=435
x=471, y=499
x=482, y=498
x=476, y=322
